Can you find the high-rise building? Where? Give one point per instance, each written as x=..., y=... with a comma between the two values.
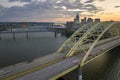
x=76, y=19
x=83, y=21
x=69, y=25
x=89, y=20
x=97, y=19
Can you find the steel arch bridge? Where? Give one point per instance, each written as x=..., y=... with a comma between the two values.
x=83, y=41
x=89, y=34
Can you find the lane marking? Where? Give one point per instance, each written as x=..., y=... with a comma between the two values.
x=13, y=76
x=63, y=73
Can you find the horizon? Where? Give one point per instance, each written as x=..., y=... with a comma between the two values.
x=58, y=10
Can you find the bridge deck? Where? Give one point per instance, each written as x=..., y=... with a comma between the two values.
x=57, y=68
x=20, y=67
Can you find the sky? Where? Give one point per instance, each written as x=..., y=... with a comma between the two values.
x=58, y=10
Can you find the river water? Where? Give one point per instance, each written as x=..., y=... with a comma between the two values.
x=105, y=67
x=22, y=49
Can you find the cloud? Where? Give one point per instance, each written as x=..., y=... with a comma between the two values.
x=13, y=0
x=38, y=10
x=25, y=0
x=19, y=0
x=69, y=4
x=117, y=6
x=2, y=10
x=92, y=8
x=89, y=1
x=101, y=0
x=30, y=12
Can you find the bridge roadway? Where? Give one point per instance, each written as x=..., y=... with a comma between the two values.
x=49, y=69
x=13, y=69
x=57, y=68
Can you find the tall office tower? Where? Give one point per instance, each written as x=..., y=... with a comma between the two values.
x=76, y=19
x=89, y=20
x=97, y=20
x=84, y=21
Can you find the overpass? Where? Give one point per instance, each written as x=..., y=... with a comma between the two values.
x=25, y=32
x=87, y=43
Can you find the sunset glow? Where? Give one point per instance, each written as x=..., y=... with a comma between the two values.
x=58, y=10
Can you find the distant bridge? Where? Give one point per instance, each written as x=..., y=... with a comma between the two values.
x=31, y=30
x=88, y=42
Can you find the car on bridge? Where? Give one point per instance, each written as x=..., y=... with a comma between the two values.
x=74, y=61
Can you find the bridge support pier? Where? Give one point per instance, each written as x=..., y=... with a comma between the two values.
x=27, y=36
x=0, y=36
x=13, y=35
x=55, y=34
x=74, y=75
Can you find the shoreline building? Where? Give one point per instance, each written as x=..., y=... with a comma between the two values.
x=76, y=19
x=83, y=21
x=89, y=20
x=97, y=19
x=77, y=23
x=74, y=25
x=69, y=25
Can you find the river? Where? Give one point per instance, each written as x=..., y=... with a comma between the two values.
x=105, y=67
x=38, y=44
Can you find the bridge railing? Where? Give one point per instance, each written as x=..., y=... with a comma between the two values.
x=89, y=34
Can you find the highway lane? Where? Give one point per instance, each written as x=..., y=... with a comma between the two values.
x=57, y=68
x=7, y=71
x=104, y=48
x=46, y=73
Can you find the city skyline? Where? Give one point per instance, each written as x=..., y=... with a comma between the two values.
x=58, y=10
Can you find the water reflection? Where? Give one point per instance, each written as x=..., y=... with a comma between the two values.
x=21, y=49
x=105, y=67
